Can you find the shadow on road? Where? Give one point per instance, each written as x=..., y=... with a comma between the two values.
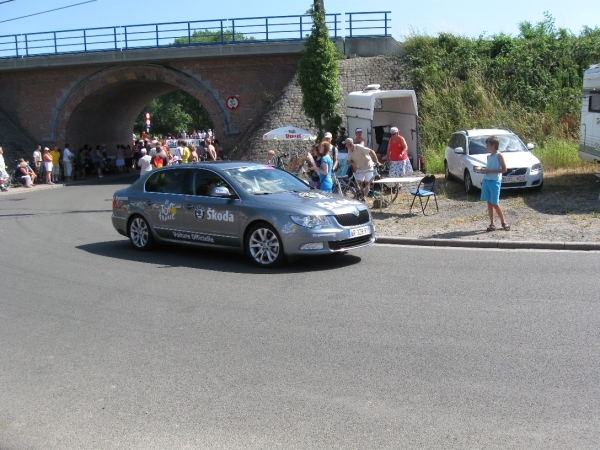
x=214, y=260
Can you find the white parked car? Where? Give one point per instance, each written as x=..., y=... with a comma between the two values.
x=467, y=149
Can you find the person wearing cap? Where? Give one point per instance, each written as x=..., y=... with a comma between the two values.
x=397, y=155
x=333, y=153
x=47, y=158
x=358, y=139
x=362, y=160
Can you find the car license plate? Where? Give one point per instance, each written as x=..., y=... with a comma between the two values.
x=357, y=232
x=513, y=179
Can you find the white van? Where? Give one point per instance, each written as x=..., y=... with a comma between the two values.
x=375, y=111
x=589, y=144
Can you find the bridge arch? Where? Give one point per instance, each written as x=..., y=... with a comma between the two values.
x=103, y=107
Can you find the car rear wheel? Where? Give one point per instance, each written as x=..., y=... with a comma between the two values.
x=469, y=189
x=264, y=247
x=140, y=234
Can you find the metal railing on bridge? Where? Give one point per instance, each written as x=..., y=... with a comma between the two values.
x=184, y=34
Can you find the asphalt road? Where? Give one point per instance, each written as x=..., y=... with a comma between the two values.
x=104, y=347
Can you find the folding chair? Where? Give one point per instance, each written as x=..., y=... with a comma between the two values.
x=426, y=188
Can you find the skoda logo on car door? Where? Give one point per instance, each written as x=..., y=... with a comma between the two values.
x=199, y=213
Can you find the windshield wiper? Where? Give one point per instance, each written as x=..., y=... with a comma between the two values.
x=261, y=193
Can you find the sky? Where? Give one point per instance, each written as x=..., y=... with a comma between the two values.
x=466, y=18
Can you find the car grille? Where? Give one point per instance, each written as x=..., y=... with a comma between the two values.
x=350, y=220
x=349, y=243
x=510, y=172
x=519, y=184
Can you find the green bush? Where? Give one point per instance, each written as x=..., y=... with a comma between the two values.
x=530, y=83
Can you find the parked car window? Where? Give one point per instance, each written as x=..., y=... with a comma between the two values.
x=204, y=181
x=166, y=182
x=461, y=141
x=453, y=141
x=508, y=143
x=594, y=105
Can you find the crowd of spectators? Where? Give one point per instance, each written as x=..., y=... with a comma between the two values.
x=54, y=165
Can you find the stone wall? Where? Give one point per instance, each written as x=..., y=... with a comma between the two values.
x=15, y=142
x=355, y=74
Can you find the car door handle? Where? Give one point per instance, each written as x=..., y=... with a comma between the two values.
x=188, y=206
x=149, y=203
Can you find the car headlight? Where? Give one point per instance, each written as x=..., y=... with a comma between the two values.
x=311, y=221
x=536, y=167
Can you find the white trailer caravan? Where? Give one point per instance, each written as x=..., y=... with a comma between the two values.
x=376, y=111
x=589, y=144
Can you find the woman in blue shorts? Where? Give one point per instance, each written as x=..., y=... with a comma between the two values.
x=325, y=167
x=492, y=179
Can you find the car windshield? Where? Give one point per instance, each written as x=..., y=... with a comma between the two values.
x=265, y=180
x=508, y=143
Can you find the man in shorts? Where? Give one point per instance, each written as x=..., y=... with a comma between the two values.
x=362, y=160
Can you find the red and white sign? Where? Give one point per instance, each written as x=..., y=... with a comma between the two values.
x=290, y=133
x=232, y=102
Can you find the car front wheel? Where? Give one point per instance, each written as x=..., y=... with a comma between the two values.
x=140, y=234
x=469, y=189
x=264, y=247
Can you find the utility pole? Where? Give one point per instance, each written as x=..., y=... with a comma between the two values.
x=319, y=7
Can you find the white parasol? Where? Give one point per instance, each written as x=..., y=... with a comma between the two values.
x=289, y=133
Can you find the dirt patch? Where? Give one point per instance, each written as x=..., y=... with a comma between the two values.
x=566, y=210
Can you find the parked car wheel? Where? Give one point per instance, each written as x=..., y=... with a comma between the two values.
x=140, y=234
x=447, y=175
x=264, y=247
x=469, y=188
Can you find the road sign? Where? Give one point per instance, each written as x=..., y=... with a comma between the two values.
x=232, y=102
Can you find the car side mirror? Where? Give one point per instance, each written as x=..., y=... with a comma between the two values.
x=530, y=146
x=221, y=192
x=459, y=150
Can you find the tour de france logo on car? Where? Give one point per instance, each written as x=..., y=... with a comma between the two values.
x=199, y=213
x=167, y=211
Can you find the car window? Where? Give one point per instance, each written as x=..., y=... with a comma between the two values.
x=204, y=181
x=258, y=179
x=508, y=143
x=594, y=105
x=461, y=141
x=453, y=141
x=166, y=182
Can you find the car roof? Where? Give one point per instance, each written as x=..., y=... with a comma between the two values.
x=486, y=131
x=219, y=165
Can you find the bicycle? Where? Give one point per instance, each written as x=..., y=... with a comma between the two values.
x=342, y=186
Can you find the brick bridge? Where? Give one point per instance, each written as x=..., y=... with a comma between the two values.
x=96, y=97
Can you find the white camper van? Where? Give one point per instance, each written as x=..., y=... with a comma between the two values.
x=376, y=111
x=589, y=144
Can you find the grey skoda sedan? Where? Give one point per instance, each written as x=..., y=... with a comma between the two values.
x=247, y=207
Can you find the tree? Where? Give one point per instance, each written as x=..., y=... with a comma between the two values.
x=318, y=73
x=208, y=36
x=174, y=112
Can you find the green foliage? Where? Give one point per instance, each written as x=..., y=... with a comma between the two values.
x=530, y=83
x=174, y=112
x=318, y=72
x=209, y=36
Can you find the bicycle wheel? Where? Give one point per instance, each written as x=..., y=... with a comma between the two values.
x=348, y=191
